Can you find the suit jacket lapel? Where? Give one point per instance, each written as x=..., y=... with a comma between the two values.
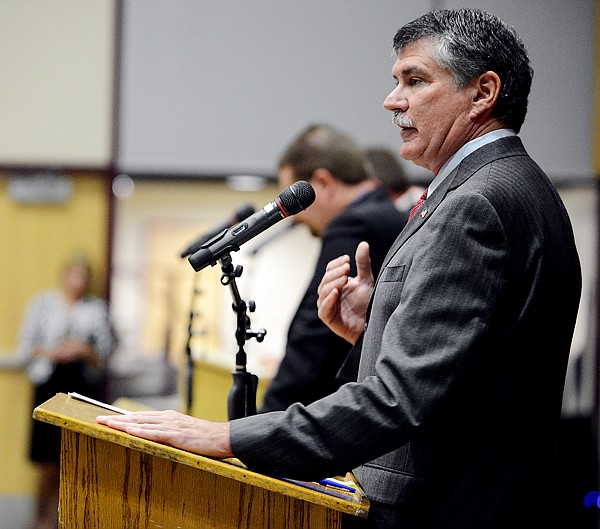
x=510, y=146
x=420, y=218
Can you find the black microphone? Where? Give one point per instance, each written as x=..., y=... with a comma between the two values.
x=240, y=214
x=290, y=201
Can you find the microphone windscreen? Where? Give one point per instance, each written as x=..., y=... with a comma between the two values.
x=296, y=197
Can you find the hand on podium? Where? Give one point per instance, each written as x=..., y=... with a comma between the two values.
x=176, y=429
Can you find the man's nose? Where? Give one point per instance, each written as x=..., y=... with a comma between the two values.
x=395, y=101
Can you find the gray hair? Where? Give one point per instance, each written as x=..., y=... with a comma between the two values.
x=469, y=42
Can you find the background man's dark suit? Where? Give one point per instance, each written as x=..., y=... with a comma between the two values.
x=314, y=353
x=457, y=435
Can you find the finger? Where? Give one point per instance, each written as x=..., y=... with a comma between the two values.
x=338, y=261
x=334, y=276
x=152, y=416
x=119, y=421
x=335, y=268
x=152, y=432
x=160, y=434
x=325, y=289
x=327, y=306
x=147, y=433
x=115, y=421
x=363, y=262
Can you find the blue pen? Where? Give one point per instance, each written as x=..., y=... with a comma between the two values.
x=330, y=482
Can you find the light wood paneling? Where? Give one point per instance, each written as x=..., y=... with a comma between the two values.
x=16, y=473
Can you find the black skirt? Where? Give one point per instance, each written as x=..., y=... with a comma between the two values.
x=44, y=446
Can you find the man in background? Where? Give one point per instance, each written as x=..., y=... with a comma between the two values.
x=349, y=208
x=388, y=171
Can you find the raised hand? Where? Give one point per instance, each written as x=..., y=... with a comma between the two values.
x=343, y=300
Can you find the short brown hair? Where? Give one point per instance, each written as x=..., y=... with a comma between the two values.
x=320, y=146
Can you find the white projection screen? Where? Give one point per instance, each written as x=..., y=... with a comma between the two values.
x=220, y=88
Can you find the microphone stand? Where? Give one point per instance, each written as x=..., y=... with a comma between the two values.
x=189, y=368
x=241, y=401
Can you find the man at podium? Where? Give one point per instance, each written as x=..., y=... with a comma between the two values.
x=465, y=335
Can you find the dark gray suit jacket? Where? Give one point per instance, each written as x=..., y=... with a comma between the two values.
x=454, y=419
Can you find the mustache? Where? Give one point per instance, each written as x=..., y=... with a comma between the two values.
x=401, y=120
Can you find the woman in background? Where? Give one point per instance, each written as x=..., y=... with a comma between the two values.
x=66, y=337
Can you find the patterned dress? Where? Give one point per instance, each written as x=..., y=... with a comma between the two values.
x=47, y=322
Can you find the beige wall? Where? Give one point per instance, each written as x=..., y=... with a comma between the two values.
x=56, y=95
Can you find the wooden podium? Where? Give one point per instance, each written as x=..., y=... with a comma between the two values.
x=111, y=479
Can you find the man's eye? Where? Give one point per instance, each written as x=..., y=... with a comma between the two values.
x=415, y=81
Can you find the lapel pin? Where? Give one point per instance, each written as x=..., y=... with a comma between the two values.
x=423, y=213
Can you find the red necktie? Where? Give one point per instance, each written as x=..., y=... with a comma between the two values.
x=417, y=205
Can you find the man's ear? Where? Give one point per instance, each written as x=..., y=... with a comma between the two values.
x=486, y=92
x=322, y=179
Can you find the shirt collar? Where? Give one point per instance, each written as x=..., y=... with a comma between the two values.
x=463, y=152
